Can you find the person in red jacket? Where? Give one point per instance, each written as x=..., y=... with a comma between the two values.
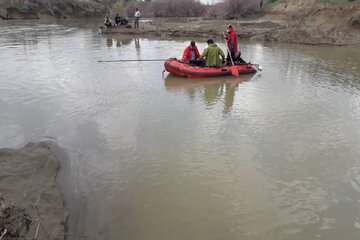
x=232, y=43
x=191, y=53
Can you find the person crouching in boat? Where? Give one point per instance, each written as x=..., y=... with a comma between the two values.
x=237, y=59
x=107, y=22
x=212, y=55
x=191, y=54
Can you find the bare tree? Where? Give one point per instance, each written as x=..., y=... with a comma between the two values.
x=178, y=8
x=241, y=8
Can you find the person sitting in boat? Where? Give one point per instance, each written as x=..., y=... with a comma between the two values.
x=237, y=58
x=117, y=20
x=107, y=22
x=191, y=53
x=212, y=55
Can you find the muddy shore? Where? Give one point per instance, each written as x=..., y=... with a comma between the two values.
x=266, y=30
x=31, y=203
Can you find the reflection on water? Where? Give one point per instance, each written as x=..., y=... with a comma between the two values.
x=109, y=42
x=137, y=44
x=121, y=41
x=270, y=156
x=212, y=90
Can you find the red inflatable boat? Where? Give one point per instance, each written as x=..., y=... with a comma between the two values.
x=181, y=69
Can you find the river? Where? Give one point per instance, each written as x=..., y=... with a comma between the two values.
x=275, y=155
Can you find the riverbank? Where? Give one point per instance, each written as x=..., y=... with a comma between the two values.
x=265, y=29
x=31, y=203
x=314, y=22
x=288, y=21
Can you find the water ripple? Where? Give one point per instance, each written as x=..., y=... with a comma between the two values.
x=267, y=156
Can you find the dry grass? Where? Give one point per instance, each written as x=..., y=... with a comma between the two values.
x=16, y=219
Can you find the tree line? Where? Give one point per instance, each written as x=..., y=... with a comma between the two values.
x=188, y=8
x=148, y=8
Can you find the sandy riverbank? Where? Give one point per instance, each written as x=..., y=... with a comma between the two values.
x=29, y=193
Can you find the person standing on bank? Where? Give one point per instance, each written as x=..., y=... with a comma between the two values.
x=137, y=17
x=232, y=43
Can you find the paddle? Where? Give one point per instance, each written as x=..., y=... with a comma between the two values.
x=134, y=60
x=234, y=70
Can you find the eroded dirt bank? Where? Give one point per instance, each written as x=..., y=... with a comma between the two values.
x=31, y=204
x=314, y=22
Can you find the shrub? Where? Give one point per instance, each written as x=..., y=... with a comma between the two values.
x=239, y=8
x=119, y=7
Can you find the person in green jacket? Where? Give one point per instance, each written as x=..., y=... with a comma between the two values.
x=212, y=55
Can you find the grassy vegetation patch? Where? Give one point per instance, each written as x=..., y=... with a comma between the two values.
x=119, y=7
x=270, y=4
x=17, y=7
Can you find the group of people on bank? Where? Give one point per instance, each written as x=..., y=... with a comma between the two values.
x=118, y=21
x=213, y=55
x=121, y=21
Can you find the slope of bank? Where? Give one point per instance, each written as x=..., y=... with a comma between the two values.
x=315, y=21
x=31, y=203
x=32, y=9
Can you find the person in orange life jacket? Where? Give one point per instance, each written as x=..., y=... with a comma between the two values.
x=232, y=43
x=191, y=53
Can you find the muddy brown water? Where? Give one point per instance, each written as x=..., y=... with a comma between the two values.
x=275, y=155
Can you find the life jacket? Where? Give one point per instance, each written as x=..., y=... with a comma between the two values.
x=187, y=54
x=232, y=41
